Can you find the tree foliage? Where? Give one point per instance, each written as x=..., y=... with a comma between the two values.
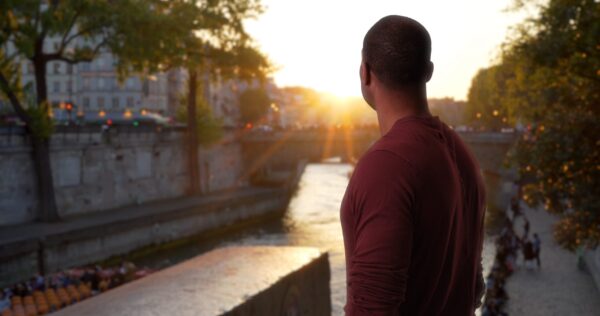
x=217, y=44
x=486, y=106
x=137, y=32
x=553, y=86
x=557, y=89
x=144, y=36
x=209, y=128
x=254, y=104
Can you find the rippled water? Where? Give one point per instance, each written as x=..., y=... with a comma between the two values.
x=312, y=219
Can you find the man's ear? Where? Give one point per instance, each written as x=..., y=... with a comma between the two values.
x=429, y=72
x=365, y=73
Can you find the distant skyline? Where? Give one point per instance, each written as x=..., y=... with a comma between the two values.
x=317, y=43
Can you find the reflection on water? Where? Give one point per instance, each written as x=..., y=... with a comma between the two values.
x=312, y=219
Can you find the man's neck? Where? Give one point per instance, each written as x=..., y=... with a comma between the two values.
x=392, y=109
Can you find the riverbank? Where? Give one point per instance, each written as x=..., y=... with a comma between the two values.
x=558, y=287
x=29, y=249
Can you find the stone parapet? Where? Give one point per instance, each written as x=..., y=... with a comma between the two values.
x=266, y=281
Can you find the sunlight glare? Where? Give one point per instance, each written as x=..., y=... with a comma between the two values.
x=317, y=44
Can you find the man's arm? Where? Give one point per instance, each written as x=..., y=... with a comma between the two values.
x=378, y=269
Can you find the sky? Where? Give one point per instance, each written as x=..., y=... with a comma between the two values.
x=317, y=43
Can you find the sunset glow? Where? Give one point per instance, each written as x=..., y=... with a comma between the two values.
x=317, y=43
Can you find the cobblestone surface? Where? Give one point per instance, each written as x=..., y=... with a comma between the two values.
x=559, y=287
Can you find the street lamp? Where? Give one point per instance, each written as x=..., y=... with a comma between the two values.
x=127, y=114
x=80, y=114
x=69, y=108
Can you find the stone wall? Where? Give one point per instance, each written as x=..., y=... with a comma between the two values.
x=82, y=241
x=96, y=171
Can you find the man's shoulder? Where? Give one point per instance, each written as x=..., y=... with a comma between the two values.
x=380, y=165
x=407, y=145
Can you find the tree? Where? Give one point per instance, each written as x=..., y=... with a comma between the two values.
x=486, y=106
x=554, y=88
x=217, y=44
x=450, y=111
x=134, y=30
x=144, y=35
x=209, y=128
x=254, y=104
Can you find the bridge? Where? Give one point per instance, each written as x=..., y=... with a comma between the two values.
x=280, y=149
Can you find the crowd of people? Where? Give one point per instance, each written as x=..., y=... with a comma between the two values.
x=508, y=245
x=44, y=294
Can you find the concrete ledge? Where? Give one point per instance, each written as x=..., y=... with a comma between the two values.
x=265, y=281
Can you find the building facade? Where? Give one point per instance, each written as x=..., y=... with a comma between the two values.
x=94, y=86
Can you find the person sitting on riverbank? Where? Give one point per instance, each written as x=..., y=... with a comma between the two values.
x=507, y=249
x=4, y=301
x=21, y=289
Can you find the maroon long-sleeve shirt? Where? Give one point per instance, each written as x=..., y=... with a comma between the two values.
x=412, y=218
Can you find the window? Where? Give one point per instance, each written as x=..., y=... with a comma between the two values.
x=86, y=102
x=115, y=102
x=56, y=86
x=57, y=68
x=69, y=69
x=86, y=83
x=85, y=66
x=130, y=83
x=101, y=102
x=101, y=84
x=69, y=86
x=146, y=87
x=130, y=102
x=100, y=63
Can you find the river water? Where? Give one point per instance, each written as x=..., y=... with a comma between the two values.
x=312, y=219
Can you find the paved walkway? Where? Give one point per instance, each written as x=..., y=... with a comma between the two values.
x=559, y=287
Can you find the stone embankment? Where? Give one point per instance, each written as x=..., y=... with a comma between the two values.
x=29, y=249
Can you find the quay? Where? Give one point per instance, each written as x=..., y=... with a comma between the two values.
x=32, y=248
x=558, y=287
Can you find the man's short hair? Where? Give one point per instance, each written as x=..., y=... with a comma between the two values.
x=398, y=51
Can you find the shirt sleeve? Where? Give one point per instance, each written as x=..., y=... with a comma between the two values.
x=383, y=232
